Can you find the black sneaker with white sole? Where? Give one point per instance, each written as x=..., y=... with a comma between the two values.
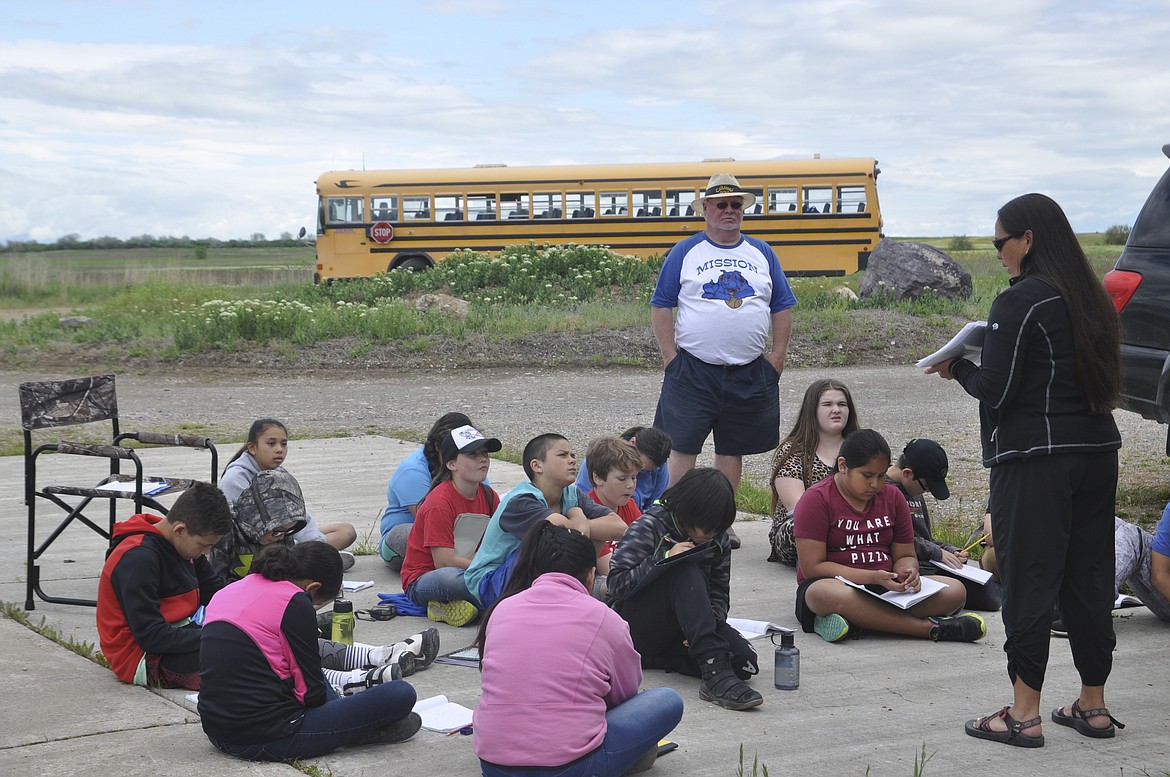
x=398, y=731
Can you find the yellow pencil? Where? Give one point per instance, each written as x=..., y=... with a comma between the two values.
x=976, y=542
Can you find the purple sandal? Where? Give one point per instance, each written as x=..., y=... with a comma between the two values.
x=1078, y=719
x=980, y=728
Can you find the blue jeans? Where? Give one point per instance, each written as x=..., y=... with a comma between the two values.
x=445, y=584
x=336, y=723
x=491, y=586
x=632, y=728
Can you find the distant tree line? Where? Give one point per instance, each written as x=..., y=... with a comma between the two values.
x=74, y=242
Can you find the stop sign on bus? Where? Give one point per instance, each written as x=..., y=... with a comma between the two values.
x=381, y=231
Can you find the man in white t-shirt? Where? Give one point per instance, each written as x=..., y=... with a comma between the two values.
x=720, y=375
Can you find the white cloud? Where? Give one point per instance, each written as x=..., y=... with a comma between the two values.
x=211, y=119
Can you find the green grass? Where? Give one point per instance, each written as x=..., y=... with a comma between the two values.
x=150, y=300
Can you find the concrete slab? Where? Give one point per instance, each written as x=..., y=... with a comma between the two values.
x=868, y=706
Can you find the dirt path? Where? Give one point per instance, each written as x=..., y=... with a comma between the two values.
x=580, y=403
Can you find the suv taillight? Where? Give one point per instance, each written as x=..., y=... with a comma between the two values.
x=1121, y=284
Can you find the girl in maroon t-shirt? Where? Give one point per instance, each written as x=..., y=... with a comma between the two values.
x=856, y=526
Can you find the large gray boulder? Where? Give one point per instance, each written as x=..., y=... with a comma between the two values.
x=907, y=270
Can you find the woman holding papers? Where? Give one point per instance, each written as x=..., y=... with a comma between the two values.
x=560, y=674
x=855, y=543
x=1047, y=385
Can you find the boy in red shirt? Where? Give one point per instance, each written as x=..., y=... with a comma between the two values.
x=613, y=473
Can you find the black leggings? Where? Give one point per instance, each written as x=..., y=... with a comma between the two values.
x=1052, y=519
x=677, y=607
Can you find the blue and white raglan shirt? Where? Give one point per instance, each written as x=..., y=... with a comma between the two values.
x=725, y=295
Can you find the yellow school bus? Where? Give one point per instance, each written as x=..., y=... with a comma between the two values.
x=821, y=216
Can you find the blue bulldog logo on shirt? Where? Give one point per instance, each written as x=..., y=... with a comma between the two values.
x=731, y=287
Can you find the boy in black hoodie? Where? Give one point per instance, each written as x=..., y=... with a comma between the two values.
x=153, y=581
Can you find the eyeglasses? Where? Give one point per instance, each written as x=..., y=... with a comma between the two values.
x=1000, y=242
x=724, y=205
x=280, y=533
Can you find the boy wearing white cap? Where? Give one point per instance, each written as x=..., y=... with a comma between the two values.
x=432, y=572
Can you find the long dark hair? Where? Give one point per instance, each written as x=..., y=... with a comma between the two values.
x=316, y=561
x=1057, y=259
x=547, y=547
x=254, y=432
x=806, y=436
x=433, y=447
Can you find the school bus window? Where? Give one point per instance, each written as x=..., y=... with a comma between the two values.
x=782, y=200
x=614, y=203
x=448, y=207
x=345, y=210
x=481, y=206
x=851, y=199
x=647, y=203
x=416, y=207
x=514, y=206
x=547, y=205
x=581, y=205
x=680, y=203
x=384, y=208
x=758, y=207
x=817, y=199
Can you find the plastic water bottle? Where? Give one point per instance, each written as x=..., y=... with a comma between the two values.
x=787, y=663
x=343, y=621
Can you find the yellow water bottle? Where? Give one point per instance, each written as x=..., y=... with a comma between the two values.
x=343, y=621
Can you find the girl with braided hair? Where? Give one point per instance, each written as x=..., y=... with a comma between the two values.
x=572, y=706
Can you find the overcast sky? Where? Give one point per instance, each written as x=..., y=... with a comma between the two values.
x=214, y=119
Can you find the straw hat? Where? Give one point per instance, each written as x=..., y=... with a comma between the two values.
x=725, y=185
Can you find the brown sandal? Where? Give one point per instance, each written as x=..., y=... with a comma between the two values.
x=1078, y=719
x=980, y=729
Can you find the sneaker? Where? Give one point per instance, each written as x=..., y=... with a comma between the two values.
x=347, y=560
x=417, y=652
x=398, y=731
x=372, y=677
x=831, y=627
x=721, y=686
x=964, y=627
x=457, y=613
x=1058, y=629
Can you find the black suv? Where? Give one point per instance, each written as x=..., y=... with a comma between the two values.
x=1140, y=287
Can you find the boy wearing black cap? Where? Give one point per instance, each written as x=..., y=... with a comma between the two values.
x=923, y=467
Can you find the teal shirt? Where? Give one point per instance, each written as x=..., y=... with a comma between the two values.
x=498, y=544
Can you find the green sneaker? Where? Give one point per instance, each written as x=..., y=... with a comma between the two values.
x=457, y=613
x=831, y=627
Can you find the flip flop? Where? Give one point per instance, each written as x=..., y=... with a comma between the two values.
x=1014, y=735
x=1078, y=719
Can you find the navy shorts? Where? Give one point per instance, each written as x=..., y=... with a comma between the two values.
x=740, y=404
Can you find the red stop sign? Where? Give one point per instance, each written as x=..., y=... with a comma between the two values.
x=381, y=231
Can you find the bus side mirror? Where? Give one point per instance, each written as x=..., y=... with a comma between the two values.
x=301, y=234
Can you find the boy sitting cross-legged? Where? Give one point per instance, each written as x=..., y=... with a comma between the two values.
x=550, y=494
x=677, y=611
x=153, y=581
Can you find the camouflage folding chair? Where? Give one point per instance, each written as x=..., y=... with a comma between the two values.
x=52, y=404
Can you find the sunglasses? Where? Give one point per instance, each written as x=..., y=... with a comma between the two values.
x=1000, y=242
x=724, y=205
x=280, y=533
